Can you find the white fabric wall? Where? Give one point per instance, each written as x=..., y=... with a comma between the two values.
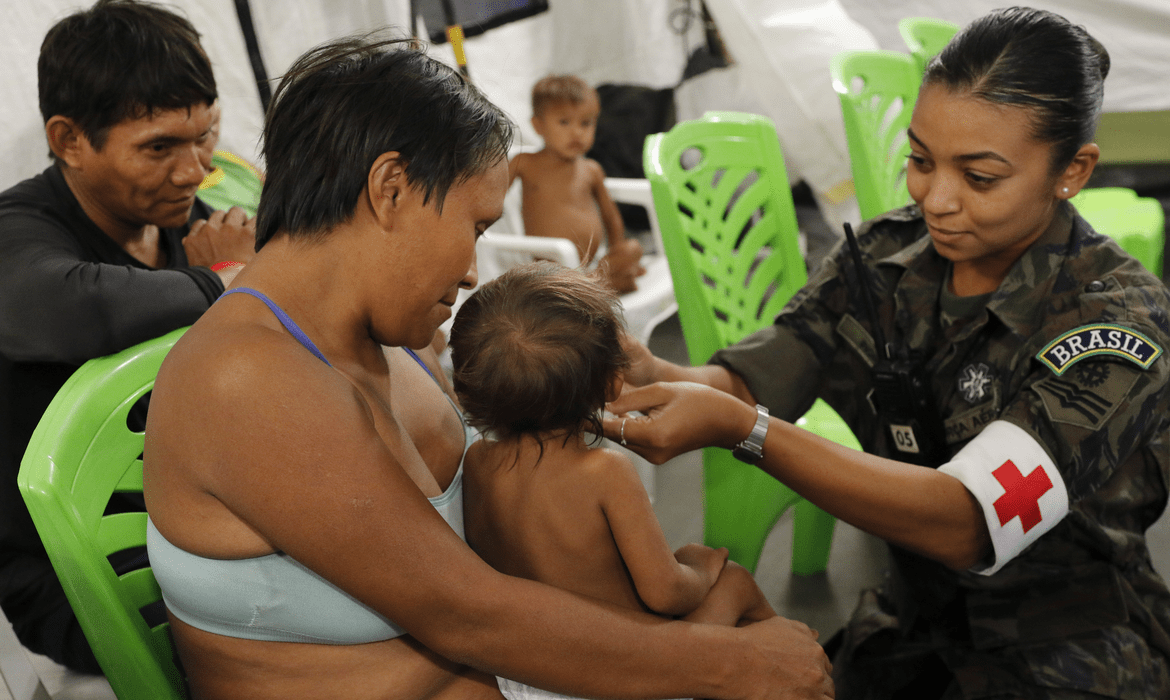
x=1135, y=32
x=603, y=41
x=781, y=51
x=23, y=24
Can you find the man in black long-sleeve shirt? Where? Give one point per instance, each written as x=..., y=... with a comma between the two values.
x=106, y=248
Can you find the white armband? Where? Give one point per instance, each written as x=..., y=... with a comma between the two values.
x=1015, y=481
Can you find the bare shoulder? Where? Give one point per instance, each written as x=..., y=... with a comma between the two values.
x=612, y=469
x=594, y=170
x=521, y=164
x=484, y=457
x=226, y=361
x=241, y=417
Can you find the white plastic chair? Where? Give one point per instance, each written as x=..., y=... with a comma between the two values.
x=16, y=669
x=504, y=246
x=499, y=252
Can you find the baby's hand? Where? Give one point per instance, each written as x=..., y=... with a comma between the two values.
x=706, y=561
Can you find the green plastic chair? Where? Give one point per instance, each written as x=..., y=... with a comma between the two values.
x=877, y=91
x=1138, y=224
x=926, y=37
x=80, y=454
x=729, y=228
x=232, y=182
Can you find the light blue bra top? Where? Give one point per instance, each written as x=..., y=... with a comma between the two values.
x=274, y=597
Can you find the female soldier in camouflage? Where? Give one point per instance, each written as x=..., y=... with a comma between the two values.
x=1020, y=567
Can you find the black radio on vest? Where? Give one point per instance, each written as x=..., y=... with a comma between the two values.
x=901, y=392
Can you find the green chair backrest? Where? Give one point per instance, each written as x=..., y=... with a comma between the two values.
x=1138, y=224
x=877, y=91
x=728, y=225
x=732, y=247
x=926, y=37
x=80, y=454
x=233, y=182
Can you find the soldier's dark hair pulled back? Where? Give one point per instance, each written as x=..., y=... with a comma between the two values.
x=1035, y=59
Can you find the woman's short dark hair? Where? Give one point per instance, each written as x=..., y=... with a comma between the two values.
x=347, y=102
x=1035, y=59
x=535, y=351
x=118, y=60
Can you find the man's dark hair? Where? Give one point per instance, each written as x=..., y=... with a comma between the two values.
x=1035, y=59
x=347, y=102
x=535, y=352
x=118, y=60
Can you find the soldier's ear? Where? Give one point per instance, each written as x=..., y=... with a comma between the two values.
x=1074, y=177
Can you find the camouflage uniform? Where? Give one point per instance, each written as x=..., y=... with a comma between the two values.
x=1082, y=608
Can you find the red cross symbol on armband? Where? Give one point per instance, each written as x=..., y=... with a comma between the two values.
x=1021, y=494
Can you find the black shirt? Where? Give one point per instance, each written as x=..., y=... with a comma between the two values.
x=69, y=293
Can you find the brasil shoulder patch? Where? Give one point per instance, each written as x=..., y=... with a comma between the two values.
x=1099, y=339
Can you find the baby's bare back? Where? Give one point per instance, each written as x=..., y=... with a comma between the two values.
x=558, y=201
x=545, y=523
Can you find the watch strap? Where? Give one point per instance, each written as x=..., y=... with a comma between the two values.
x=751, y=450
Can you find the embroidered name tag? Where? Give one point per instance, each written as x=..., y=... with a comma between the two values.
x=1098, y=339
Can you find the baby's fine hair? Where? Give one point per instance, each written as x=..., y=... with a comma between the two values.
x=535, y=352
x=559, y=89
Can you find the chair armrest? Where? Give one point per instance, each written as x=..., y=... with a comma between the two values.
x=504, y=248
x=633, y=190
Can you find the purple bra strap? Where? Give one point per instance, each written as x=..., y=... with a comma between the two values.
x=420, y=362
x=284, y=319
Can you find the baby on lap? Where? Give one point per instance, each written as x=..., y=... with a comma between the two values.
x=537, y=353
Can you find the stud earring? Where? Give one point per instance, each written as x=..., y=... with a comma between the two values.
x=1064, y=190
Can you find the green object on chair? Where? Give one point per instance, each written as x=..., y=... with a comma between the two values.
x=232, y=182
x=877, y=91
x=925, y=37
x=728, y=224
x=80, y=454
x=1138, y=224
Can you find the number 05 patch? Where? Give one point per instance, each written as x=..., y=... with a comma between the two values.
x=1099, y=339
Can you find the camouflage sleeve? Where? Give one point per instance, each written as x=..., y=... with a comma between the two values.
x=817, y=346
x=1094, y=396
x=1093, y=399
x=783, y=364
x=779, y=370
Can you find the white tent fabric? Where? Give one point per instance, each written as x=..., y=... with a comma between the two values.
x=628, y=41
x=1135, y=32
x=781, y=50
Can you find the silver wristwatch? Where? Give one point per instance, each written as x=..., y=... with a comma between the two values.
x=751, y=450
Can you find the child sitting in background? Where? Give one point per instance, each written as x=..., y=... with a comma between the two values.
x=563, y=192
x=536, y=354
